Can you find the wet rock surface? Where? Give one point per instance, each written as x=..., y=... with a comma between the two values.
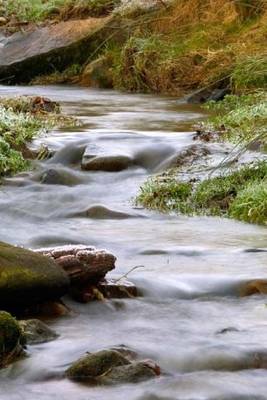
x=107, y=288
x=135, y=372
x=36, y=331
x=27, y=278
x=257, y=286
x=117, y=288
x=83, y=264
x=102, y=212
x=110, y=367
x=58, y=176
x=185, y=157
x=109, y=163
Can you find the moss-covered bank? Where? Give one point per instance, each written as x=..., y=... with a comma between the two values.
x=22, y=119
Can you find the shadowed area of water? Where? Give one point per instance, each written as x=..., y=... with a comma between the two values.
x=192, y=270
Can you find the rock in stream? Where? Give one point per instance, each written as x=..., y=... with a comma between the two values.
x=28, y=278
x=110, y=367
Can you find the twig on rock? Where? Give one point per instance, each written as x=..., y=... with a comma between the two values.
x=127, y=273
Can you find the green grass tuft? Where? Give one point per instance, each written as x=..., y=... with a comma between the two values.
x=165, y=195
x=243, y=118
x=250, y=204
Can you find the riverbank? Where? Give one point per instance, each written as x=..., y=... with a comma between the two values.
x=193, y=269
x=227, y=187
x=173, y=48
x=21, y=120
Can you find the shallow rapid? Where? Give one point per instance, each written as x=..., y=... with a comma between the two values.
x=192, y=269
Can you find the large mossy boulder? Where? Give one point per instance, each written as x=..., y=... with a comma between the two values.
x=10, y=339
x=28, y=278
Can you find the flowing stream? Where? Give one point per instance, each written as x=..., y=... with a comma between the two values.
x=192, y=268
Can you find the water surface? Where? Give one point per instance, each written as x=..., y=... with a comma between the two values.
x=191, y=268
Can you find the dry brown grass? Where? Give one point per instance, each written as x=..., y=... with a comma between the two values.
x=192, y=44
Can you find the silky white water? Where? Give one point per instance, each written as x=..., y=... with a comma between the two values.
x=191, y=269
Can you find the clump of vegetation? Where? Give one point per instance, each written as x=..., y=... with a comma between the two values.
x=68, y=75
x=15, y=130
x=41, y=10
x=22, y=119
x=251, y=203
x=165, y=194
x=193, y=44
x=240, y=118
x=240, y=195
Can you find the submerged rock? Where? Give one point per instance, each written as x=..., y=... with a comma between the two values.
x=257, y=286
x=111, y=163
x=229, y=329
x=135, y=372
x=94, y=365
x=117, y=289
x=102, y=212
x=106, y=289
x=10, y=339
x=58, y=177
x=83, y=264
x=36, y=332
x=110, y=367
x=28, y=278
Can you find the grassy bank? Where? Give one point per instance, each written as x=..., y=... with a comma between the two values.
x=22, y=119
x=192, y=44
x=176, y=49
x=241, y=195
x=240, y=119
x=41, y=10
x=238, y=193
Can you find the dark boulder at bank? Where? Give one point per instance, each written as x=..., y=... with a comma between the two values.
x=215, y=92
x=111, y=367
x=11, y=339
x=25, y=55
x=27, y=278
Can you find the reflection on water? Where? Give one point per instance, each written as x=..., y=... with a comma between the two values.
x=193, y=268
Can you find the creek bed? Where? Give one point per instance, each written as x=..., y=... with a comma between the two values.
x=191, y=268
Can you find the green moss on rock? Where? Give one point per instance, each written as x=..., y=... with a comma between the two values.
x=93, y=365
x=27, y=278
x=10, y=338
